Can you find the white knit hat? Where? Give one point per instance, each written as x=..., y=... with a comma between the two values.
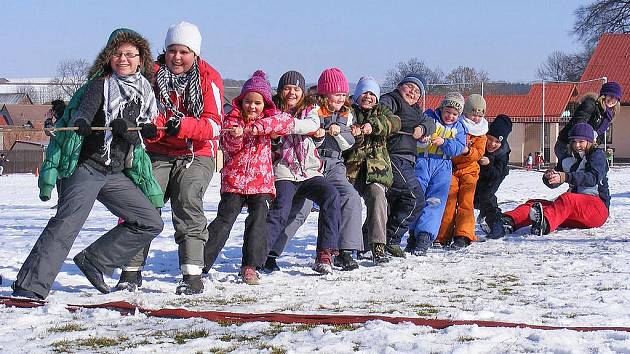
x=184, y=33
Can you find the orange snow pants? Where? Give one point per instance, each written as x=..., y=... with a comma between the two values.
x=459, y=217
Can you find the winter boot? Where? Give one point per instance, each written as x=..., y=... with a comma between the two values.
x=423, y=241
x=270, y=264
x=460, y=242
x=129, y=280
x=249, y=275
x=537, y=216
x=190, y=285
x=411, y=243
x=323, y=262
x=378, y=253
x=19, y=292
x=394, y=250
x=345, y=261
x=93, y=274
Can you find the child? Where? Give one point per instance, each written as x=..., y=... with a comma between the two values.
x=459, y=218
x=3, y=160
x=405, y=198
x=493, y=169
x=368, y=163
x=586, y=203
x=247, y=176
x=598, y=112
x=434, y=168
x=332, y=139
x=539, y=160
x=529, y=162
x=298, y=176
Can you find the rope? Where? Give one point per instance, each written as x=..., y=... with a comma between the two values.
x=126, y=308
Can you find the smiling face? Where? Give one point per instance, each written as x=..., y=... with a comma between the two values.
x=449, y=115
x=492, y=143
x=125, y=60
x=410, y=92
x=367, y=100
x=610, y=101
x=475, y=118
x=291, y=95
x=179, y=58
x=253, y=105
x=579, y=145
x=336, y=100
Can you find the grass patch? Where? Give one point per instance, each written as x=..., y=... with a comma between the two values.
x=464, y=339
x=272, y=348
x=506, y=291
x=66, y=346
x=344, y=327
x=206, y=300
x=68, y=327
x=181, y=337
x=303, y=327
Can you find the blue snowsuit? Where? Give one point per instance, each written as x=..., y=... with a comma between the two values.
x=434, y=169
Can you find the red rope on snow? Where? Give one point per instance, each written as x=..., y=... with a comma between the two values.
x=329, y=319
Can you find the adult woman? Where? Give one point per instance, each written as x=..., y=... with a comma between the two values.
x=189, y=93
x=118, y=96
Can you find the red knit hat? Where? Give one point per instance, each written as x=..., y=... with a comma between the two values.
x=257, y=83
x=332, y=81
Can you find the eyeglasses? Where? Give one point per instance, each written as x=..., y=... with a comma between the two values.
x=126, y=55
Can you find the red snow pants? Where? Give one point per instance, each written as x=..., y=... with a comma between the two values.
x=570, y=210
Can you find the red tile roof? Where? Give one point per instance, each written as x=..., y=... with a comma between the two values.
x=526, y=108
x=611, y=58
x=19, y=114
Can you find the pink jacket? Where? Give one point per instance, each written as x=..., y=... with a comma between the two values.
x=248, y=166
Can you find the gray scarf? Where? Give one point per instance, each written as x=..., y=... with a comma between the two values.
x=118, y=92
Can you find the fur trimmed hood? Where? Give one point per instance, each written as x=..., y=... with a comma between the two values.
x=595, y=97
x=123, y=35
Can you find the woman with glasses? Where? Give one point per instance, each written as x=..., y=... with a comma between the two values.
x=108, y=165
x=189, y=93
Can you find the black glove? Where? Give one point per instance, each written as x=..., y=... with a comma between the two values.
x=172, y=127
x=148, y=131
x=119, y=128
x=84, y=127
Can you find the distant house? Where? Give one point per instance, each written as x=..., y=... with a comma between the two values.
x=21, y=115
x=15, y=98
x=611, y=59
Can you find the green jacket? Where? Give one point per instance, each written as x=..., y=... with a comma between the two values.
x=369, y=152
x=62, y=155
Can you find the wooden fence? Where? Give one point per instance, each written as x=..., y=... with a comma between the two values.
x=22, y=161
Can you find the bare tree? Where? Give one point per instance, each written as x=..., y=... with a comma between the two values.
x=412, y=66
x=71, y=75
x=560, y=66
x=464, y=74
x=603, y=16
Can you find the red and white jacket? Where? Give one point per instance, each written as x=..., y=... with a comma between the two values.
x=203, y=132
x=248, y=166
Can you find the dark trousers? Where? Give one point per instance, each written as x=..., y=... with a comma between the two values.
x=405, y=199
x=317, y=189
x=255, y=236
x=486, y=203
x=112, y=250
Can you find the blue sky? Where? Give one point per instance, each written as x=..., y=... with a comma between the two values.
x=508, y=39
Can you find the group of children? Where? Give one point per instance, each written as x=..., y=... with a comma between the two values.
x=419, y=172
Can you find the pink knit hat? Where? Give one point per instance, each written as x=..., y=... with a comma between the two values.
x=257, y=83
x=332, y=81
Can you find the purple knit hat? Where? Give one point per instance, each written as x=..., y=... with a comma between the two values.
x=257, y=83
x=332, y=81
x=611, y=89
x=582, y=131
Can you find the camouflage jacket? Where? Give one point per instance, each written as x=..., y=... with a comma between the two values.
x=369, y=154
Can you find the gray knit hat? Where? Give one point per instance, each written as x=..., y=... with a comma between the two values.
x=455, y=100
x=292, y=77
x=475, y=105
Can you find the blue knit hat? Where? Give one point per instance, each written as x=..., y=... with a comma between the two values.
x=611, y=89
x=366, y=84
x=418, y=80
x=582, y=131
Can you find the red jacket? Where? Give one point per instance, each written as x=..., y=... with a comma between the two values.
x=203, y=132
x=247, y=165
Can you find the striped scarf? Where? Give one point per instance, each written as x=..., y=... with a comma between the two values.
x=118, y=91
x=187, y=84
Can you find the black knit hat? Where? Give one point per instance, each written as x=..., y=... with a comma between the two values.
x=292, y=77
x=500, y=127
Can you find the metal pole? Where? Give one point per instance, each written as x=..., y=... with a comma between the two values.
x=542, y=140
x=482, y=88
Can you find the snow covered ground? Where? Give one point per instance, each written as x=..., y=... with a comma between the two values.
x=569, y=278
